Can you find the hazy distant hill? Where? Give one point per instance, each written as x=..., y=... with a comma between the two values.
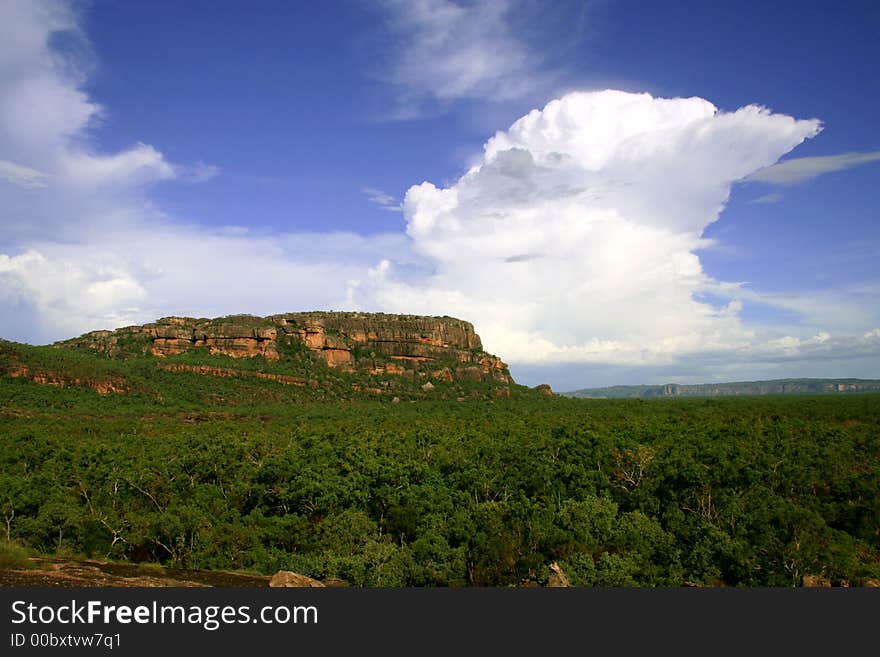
x=740, y=388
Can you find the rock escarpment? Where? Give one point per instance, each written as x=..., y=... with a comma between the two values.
x=738, y=388
x=102, y=386
x=439, y=348
x=237, y=336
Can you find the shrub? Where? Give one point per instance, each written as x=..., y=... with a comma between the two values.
x=14, y=557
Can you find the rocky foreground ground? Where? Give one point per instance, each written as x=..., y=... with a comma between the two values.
x=59, y=572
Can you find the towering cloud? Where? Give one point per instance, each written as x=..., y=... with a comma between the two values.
x=576, y=235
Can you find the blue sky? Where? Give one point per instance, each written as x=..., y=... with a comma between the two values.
x=210, y=158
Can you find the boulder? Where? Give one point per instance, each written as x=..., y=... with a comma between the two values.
x=287, y=579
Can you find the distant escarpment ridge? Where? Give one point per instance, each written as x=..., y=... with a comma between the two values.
x=734, y=389
x=333, y=353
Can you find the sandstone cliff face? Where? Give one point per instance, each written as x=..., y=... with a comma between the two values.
x=442, y=348
x=101, y=386
x=238, y=337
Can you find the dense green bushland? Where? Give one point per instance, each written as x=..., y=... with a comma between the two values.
x=758, y=491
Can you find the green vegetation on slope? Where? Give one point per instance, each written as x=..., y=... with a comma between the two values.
x=146, y=381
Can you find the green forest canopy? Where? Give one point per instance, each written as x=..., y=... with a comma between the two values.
x=751, y=491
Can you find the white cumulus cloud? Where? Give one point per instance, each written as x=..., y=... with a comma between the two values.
x=70, y=295
x=48, y=152
x=575, y=238
x=144, y=273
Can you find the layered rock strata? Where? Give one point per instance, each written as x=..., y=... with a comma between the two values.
x=443, y=348
x=101, y=386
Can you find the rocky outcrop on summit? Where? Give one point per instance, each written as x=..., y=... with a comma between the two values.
x=237, y=336
x=441, y=348
x=399, y=337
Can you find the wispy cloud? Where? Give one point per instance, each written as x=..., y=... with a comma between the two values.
x=21, y=176
x=773, y=197
x=845, y=309
x=383, y=200
x=196, y=173
x=450, y=51
x=800, y=169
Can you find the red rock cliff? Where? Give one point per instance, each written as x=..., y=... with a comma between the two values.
x=394, y=344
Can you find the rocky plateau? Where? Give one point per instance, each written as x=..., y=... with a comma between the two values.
x=439, y=348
